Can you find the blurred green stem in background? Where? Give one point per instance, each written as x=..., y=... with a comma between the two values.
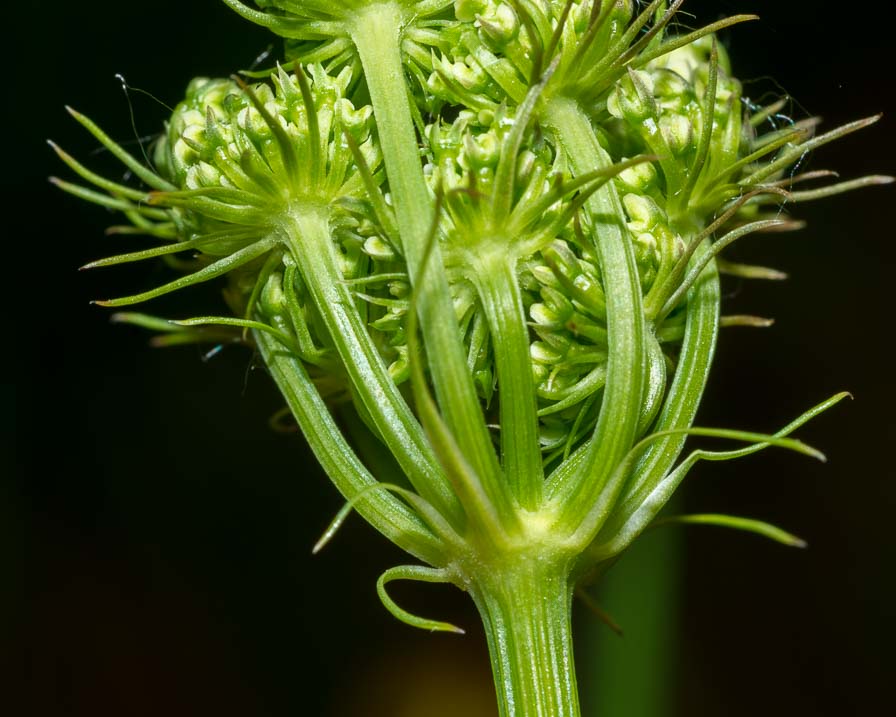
x=634, y=674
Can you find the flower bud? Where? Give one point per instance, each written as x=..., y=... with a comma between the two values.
x=678, y=132
x=354, y=121
x=644, y=213
x=467, y=10
x=499, y=25
x=632, y=97
x=640, y=179
x=480, y=151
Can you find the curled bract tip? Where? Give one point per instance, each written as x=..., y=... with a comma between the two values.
x=420, y=574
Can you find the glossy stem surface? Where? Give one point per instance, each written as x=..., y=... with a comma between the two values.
x=526, y=608
x=626, y=366
x=377, y=34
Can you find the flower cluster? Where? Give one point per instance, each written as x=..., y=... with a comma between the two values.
x=485, y=235
x=551, y=135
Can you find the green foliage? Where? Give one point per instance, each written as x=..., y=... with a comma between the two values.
x=542, y=189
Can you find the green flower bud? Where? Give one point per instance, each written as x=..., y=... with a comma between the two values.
x=640, y=179
x=678, y=133
x=672, y=91
x=631, y=99
x=499, y=24
x=467, y=10
x=643, y=212
x=479, y=151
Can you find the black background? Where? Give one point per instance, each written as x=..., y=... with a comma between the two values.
x=156, y=534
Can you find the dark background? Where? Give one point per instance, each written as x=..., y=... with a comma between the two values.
x=156, y=535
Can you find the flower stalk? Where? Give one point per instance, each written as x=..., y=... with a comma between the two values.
x=377, y=36
x=622, y=394
x=541, y=191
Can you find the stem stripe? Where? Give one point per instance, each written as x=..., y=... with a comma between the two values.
x=621, y=407
x=502, y=303
x=376, y=32
x=381, y=509
x=312, y=247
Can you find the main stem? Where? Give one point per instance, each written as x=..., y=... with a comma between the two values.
x=526, y=609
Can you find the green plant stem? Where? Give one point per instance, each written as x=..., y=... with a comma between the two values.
x=499, y=293
x=626, y=366
x=526, y=607
x=376, y=31
x=308, y=233
x=380, y=508
x=694, y=362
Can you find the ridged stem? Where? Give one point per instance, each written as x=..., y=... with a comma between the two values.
x=626, y=366
x=525, y=608
x=380, y=508
x=376, y=31
x=311, y=244
x=499, y=292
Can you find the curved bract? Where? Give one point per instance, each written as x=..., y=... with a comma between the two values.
x=541, y=190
